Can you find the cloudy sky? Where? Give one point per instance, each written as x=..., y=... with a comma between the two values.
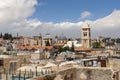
x=31, y=17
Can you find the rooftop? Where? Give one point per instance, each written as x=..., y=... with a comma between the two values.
x=62, y=37
x=81, y=48
x=85, y=25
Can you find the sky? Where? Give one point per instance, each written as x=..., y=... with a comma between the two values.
x=31, y=17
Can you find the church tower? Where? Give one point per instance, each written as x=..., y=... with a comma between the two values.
x=86, y=36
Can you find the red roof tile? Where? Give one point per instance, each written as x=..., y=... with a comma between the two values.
x=81, y=48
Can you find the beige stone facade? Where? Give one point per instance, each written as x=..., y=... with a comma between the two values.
x=101, y=50
x=86, y=36
x=12, y=63
x=27, y=41
x=87, y=73
x=84, y=73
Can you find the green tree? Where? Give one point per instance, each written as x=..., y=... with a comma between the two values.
x=97, y=45
x=47, y=43
x=7, y=36
x=72, y=48
x=60, y=49
x=118, y=40
x=63, y=49
x=105, y=39
x=1, y=35
x=66, y=49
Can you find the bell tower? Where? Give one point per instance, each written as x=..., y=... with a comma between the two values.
x=86, y=36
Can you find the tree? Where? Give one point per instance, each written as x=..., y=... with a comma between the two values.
x=7, y=36
x=118, y=40
x=97, y=45
x=47, y=43
x=66, y=48
x=1, y=35
x=109, y=41
x=72, y=47
x=60, y=49
x=63, y=49
x=105, y=40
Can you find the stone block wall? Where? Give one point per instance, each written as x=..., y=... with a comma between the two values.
x=68, y=74
x=112, y=72
x=94, y=73
x=86, y=73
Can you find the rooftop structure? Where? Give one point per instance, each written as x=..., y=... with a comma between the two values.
x=62, y=37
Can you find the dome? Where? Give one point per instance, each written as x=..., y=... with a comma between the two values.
x=47, y=35
x=62, y=37
x=56, y=36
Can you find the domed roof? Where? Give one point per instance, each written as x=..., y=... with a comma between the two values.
x=56, y=36
x=85, y=25
x=47, y=35
x=62, y=37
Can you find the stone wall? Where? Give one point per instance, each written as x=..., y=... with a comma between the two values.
x=115, y=64
x=112, y=72
x=94, y=73
x=86, y=73
x=67, y=74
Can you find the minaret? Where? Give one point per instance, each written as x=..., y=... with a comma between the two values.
x=86, y=36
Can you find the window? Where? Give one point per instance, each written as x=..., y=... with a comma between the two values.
x=85, y=34
x=1, y=62
x=13, y=66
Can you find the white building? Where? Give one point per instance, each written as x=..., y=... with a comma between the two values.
x=75, y=43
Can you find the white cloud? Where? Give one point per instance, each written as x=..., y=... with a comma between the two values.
x=13, y=14
x=107, y=26
x=85, y=15
x=33, y=27
x=111, y=20
x=15, y=10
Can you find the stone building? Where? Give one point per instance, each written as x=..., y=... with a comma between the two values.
x=47, y=40
x=23, y=41
x=30, y=41
x=10, y=63
x=86, y=35
x=60, y=40
x=38, y=39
